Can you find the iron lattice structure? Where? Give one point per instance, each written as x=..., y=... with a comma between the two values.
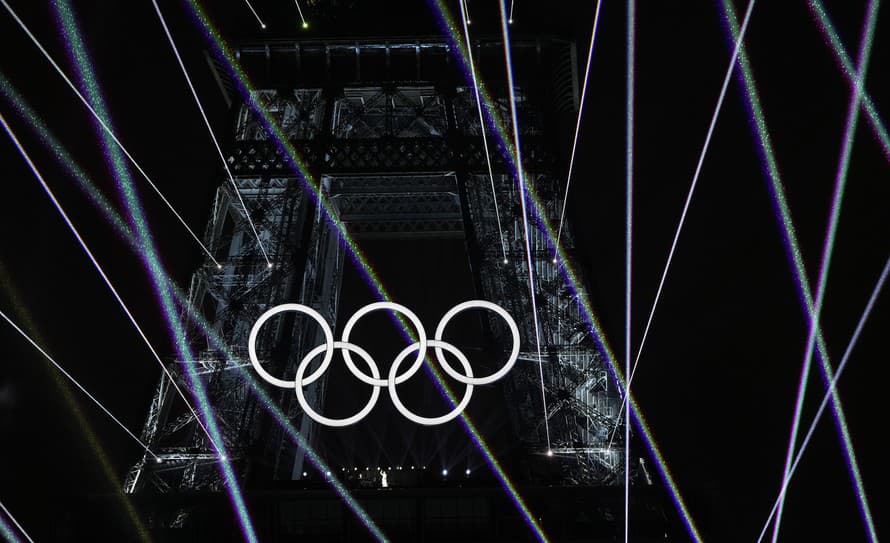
x=392, y=133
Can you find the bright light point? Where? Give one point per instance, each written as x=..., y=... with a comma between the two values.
x=219, y=266
x=263, y=26
x=305, y=24
x=505, y=261
x=304, y=474
x=469, y=22
x=549, y=453
x=509, y=21
x=328, y=473
x=467, y=472
x=223, y=458
x=444, y=472
x=554, y=261
x=269, y=265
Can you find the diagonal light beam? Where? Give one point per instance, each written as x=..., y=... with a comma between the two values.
x=794, y=254
x=565, y=199
x=126, y=232
x=695, y=178
x=215, y=438
x=75, y=381
x=7, y=530
x=92, y=258
x=104, y=126
x=828, y=246
x=216, y=145
x=846, y=65
x=832, y=389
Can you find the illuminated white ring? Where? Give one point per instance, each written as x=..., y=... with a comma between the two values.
x=421, y=341
x=469, y=379
x=408, y=414
x=299, y=308
x=321, y=419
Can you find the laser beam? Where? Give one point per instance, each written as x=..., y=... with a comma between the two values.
x=210, y=131
x=695, y=178
x=628, y=241
x=572, y=280
x=828, y=245
x=565, y=199
x=520, y=179
x=494, y=197
x=255, y=14
x=832, y=389
x=104, y=126
x=71, y=377
x=846, y=66
x=126, y=232
x=246, y=524
x=7, y=531
x=783, y=216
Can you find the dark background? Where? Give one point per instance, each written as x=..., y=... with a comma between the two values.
x=718, y=377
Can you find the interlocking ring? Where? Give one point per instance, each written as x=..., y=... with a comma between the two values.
x=394, y=378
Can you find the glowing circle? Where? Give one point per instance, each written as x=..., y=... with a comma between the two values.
x=469, y=379
x=321, y=419
x=421, y=341
x=299, y=308
x=428, y=421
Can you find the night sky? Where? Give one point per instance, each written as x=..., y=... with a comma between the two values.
x=718, y=375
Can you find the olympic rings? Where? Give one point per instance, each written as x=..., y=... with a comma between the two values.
x=394, y=378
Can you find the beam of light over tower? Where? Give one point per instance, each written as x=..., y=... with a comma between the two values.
x=77, y=384
x=222, y=157
x=483, y=130
x=565, y=199
x=239, y=77
x=695, y=176
x=571, y=276
x=96, y=450
x=303, y=20
x=832, y=388
x=830, y=236
x=757, y=121
x=628, y=245
x=255, y=14
x=213, y=432
x=104, y=126
x=520, y=180
x=846, y=66
x=126, y=233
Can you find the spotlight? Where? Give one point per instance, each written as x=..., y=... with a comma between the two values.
x=469, y=22
x=223, y=458
x=412, y=467
x=554, y=261
x=219, y=266
x=328, y=473
x=467, y=472
x=263, y=26
x=304, y=474
x=509, y=21
x=269, y=265
x=305, y=24
x=505, y=261
x=444, y=472
x=549, y=453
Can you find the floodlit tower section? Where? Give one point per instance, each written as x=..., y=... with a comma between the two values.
x=390, y=132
